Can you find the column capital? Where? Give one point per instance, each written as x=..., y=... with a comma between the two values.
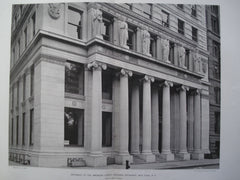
x=166, y=84
x=125, y=72
x=96, y=66
x=183, y=88
x=148, y=78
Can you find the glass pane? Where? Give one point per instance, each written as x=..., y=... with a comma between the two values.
x=74, y=78
x=74, y=17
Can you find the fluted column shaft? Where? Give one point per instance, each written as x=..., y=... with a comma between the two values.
x=197, y=123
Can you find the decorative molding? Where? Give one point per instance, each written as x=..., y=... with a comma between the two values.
x=148, y=78
x=183, y=88
x=166, y=84
x=96, y=66
x=125, y=72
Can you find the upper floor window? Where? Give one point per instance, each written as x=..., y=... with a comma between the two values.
x=217, y=122
x=17, y=93
x=194, y=10
x=214, y=10
x=24, y=87
x=32, y=81
x=108, y=23
x=180, y=26
x=12, y=97
x=187, y=54
x=13, y=56
x=194, y=34
x=128, y=5
x=180, y=6
x=214, y=24
x=153, y=45
x=147, y=10
x=131, y=42
x=216, y=49
x=74, y=78
x=165, y=19
x=74, y=27
x=106, y=85
x=216, y=72
x=25, y=37
x=217, y=95
x=33, y=24
x=19, y=48
x=171, y=52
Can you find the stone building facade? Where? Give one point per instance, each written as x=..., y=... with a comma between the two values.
x=213, y=39
x=97, y=83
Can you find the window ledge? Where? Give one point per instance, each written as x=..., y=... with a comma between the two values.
x=74, y=96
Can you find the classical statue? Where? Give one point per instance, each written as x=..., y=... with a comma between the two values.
x=97, y=23
x=181, y=56
x=146, y=42
x=196, y=61
x=123, y=33
x=165, y=45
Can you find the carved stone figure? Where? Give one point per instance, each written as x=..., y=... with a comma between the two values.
x=181, y=56
x=197, y=61
x=97, y=23
x=165, y=45
x=54, y=10
x=123, y=33
x=146, y=42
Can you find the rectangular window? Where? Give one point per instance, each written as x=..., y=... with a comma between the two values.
x=187, y=54
x=25, y=37
x=12, y=97
x=214, y=10
x=108, y=23
x=31, y=127
x=147, y=10
x=17, y=121
x=217, y=122
x=215, y=25
x=216, y=49
x=165, y=19
x=24, y=87
x=74, y=78
x=217, y=95
x=180, y=27
x=216, y=72
x=12, y=131
x=106, y=129
x=19, y=48
x=74, y=27
x=13, y=56
x=194, y=10
x=107, y=85
x=153, y=45
x=23, y=129
x=33, y=24
x=131, y=42
x=171, y=52
x=194, y=34
x=128, y=5
x=32, y=81
x=73, y=126
x=18, y=93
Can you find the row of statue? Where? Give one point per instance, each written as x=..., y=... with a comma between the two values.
x=99, y=29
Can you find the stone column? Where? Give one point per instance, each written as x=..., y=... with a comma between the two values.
x=135, y=119
x=155, y=120
x=197, y=154
x=95, y=157
x=166, y=152
x=27, y=115
x=190, y=122
x=183, y=124
x=123, y=153
x=146, y=145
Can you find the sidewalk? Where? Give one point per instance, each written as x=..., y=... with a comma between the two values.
x=163, y=165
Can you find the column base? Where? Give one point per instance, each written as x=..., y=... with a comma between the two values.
x=167, y=61
x=167, y=156
x=197, y=156
x=184, y=155
x=99, y=36
x=96, y=160
x=148, y=157
x=122, y=158
x=156, y=152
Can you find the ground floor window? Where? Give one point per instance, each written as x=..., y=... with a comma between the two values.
x=74, y=126
x=31, y=126
x=106, y=129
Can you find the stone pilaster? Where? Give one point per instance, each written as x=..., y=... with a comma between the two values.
x=190, y=122
x=166, y=152
x=146, y=145
x=139, y=40
x=155, y=120
x=183, y=154
x=135, y=119
x=123, y=153
x=175, y=54
x=95, y=157
x=197, y=153
x=159, y=48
